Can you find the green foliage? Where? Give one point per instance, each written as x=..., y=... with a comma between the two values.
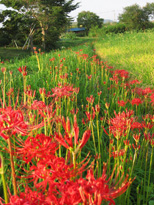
x=49, y=17
x=114, y=28
x=69, y=35
x=149, y=10
x=106, y=29
x=88, y=20
x=135, y=17
x=4, y=40
x=132, y=51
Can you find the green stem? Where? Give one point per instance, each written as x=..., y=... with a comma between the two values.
x=3, y=179
x=149, y=175
x=12, y=167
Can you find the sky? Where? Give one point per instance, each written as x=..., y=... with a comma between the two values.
x=106, y=9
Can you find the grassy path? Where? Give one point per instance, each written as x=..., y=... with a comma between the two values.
x=133, y=52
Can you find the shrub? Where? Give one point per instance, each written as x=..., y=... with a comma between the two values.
x=69, y=35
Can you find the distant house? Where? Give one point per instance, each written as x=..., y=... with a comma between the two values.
x=76, y=30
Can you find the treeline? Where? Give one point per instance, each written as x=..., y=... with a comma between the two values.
x=34, y=22
x=133, y=18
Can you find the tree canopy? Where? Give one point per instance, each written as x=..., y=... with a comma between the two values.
x=88, y=20
x=136, y=17
x=49, y=15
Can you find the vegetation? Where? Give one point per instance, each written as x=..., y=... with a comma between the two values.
x=132, y=51
x=58, y=106
x=88, y=20
x=136, y=17
x=76, y=123
x=46, y=18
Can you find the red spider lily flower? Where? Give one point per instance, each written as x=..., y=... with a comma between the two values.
x=28, y=197
x=67, y=140
x=121, y=103
x=90, y=116
x=119, y=153
x=146, y=91
x=38, y=147
x=99, y=93
x=47, y=112
x=22, y=70
x=42, y=91
x=93, y=191
x=52, y=59
x=134, y=82
x=66, y=90
x=136, y=137
x=121, y=73
x=136, y=101
x=97, y=108
x=136, y=146
x=90, y=99
x=85, y=138
x=3, y=70
x=136, y=125
x=12, y=122
x=152, y=99
x=121, y=123
x=126, y=142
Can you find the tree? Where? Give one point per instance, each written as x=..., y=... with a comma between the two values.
x=51, y=15
x=16, y=26
x=149, y=10
x=135, y=17
x=88, y=20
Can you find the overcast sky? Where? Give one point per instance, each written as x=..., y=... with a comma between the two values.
x=106, y=9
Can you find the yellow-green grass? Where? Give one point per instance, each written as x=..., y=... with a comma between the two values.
x=133, y=52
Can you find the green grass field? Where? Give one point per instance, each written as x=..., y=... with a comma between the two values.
x=11, y=53
x=133, y=52
x=74, y=130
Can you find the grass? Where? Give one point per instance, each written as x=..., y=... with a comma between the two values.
x=11, y=53
x=62, y=100
x=133, y=52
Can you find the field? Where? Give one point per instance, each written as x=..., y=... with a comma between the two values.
x=133, y=52
x=77, y=128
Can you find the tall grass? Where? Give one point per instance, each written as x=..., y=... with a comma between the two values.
x=74, y=130
x=130, y=51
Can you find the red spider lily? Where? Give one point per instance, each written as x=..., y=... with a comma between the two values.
x=54, y=172
x=136, y=125
x=152, y=99
x=47, y=112
x=90, y=116
x=93, y=191
x=67, y=140
x=3, y=70
x=136, y=101
x=146, y=91
x=22, y=70
x=121, y=123
x=136, y=137
x=66, y=90
x=27, y=197
x=97, y=108
x=121, y=73
x=99, y=93
x=121, y=103
x=12, y=122
x=119, y=153
x=52, y=59
x=38, y=147
x=134, y=82
x=90, y=99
